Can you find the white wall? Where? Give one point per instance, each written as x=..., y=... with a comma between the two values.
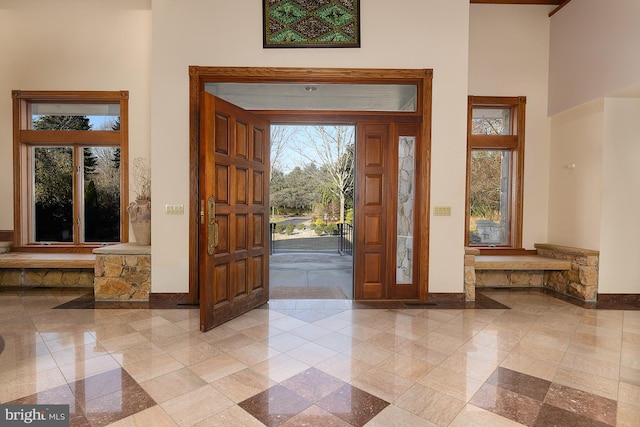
x=619, y=230
x=594, y=51
x=94, y=45
x=509, y=56
x=410, y=34
x=575, y=193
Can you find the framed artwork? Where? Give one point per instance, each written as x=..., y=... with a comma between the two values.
x=311, y=23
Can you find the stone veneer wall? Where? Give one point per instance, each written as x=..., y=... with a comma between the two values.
x=582, y=280
x=122, y=273
x=510, y=278
x=470, y=273
x=35, y=277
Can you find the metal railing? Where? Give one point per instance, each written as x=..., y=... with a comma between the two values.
x=272, y=225
x=345, y=243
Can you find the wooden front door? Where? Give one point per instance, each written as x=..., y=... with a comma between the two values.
x=234, y=212
x=387, y=218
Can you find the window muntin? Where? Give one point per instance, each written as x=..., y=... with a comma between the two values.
x=69, y=146
x=495, y=167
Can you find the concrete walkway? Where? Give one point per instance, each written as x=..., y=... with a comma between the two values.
x=310, y=275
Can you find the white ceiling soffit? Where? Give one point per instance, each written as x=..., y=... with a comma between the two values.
x=317, y=97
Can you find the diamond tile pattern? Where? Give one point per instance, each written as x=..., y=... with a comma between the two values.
x=328, y=397
x=516, y=357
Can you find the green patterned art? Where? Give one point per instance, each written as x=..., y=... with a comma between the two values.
x=311, y=23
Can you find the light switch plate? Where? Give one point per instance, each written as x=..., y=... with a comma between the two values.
x=174, y=209
x=442, y=211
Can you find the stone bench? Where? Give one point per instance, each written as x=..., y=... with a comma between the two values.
x=46, y=269
x=571, y=271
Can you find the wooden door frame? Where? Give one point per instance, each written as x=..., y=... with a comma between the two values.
x=422, y=78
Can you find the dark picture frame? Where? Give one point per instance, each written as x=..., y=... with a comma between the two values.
x=311, y=23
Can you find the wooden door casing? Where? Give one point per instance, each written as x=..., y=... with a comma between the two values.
x=234, y=172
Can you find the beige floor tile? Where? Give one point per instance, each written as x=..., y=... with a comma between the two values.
x=230, y=417
x=472, y=416
x=197, y=405
x=369, y=353
x=88, y=368
x=241, y=323
x=217, y=367
x=311, y=353
x=382, y=383
x=168, y=386
x=137, y=353
x=338, y=342
x=393, y=416
x=332, y=323
x=344, y=367
x=242, y=385
x=531, y=366
x=284, y=342
x=123, y=342
x=454, y=384
x=430, y=404
x=406, y=367
x=261, y=332
x=153, y=367
x=155, y=322
x=31, y=383
x=280, y=367
x=154, y=416
x=483, y=353
x=462, y=364
x=195, y=354
x=310, y=332
x=359, y=331
x=604, y=387
x=589, y=365
x=254, y=353
x=628, y=415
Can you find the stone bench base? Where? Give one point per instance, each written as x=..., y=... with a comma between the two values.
x=122, y=273
x=571, y=271
x=46, y=269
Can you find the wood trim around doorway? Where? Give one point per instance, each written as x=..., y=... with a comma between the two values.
x=422, y=78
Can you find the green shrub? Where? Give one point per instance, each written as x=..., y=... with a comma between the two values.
x=280, y=228
x=348, y=217
x=290, y=228
x=302, y=227
x=332, y=229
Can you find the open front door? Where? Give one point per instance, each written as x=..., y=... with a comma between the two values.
x=234, y=212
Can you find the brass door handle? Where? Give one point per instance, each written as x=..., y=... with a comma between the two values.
x=212, y=226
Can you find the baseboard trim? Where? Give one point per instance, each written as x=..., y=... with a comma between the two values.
x=6, y=235
x=619, y=298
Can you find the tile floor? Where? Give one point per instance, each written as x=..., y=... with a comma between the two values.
x=535, y=360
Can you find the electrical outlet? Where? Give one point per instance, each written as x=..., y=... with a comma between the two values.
x=442, y=211
x=174, y=209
